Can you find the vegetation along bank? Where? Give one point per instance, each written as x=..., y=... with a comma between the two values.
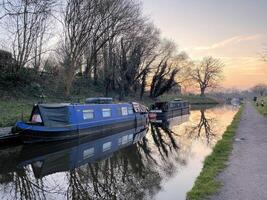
x=206, y=183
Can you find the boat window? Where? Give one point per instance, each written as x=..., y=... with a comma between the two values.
x=106, y=112
x=106, y=146
x=124, y=111
x=125, y=139
x=36, y=118
x=130, y=110
x=87, y=153
x=119, y=141
x=130, y=137
x=88, y=114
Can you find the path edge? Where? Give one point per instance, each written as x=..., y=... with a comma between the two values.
x=206, y=183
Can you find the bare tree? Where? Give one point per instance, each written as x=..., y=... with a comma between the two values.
x=207, y=73
x=114, y=18
x=26, y=21
x=259, y=89
x=79, y=18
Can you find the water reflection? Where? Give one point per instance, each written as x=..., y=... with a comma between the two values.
x=127, y=165
x=204, y=128
x=163, y=135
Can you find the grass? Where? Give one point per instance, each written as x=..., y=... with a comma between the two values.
x=12, y=110
x=206, y=183
x=193, y=99
x=262, y=110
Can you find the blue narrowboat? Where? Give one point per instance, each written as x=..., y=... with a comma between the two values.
x=96, y=118
x=161, y=111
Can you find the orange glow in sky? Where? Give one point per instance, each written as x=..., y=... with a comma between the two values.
x=234, y=31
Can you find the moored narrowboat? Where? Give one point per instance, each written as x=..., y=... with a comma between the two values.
x=165, y=110
x=55, y=122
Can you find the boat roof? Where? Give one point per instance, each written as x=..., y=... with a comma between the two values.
x=172, y=101
x=54, y=105
x=99, y=100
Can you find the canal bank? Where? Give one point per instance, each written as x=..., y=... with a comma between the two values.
x=206, y=183
x=245, y=176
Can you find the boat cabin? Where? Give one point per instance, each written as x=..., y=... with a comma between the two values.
x=62, y=115
x=170, y=105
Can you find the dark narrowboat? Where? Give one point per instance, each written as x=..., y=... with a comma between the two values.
x=164, y=110
x=55, y=122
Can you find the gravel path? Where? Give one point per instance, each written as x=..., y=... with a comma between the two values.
x=245, y=177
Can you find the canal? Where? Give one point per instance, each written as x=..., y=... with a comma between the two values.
x=159, y=163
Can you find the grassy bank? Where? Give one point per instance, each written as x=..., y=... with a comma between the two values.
x=206, y=183
x=193, y=99
x=11, y=111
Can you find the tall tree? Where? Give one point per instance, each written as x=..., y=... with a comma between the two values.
x=207, y=73
x=79, y=18
x=114, y=17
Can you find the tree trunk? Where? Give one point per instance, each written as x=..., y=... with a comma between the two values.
x=202, y=92
x=95, y=71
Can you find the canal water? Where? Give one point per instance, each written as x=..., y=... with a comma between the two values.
x=159, y=163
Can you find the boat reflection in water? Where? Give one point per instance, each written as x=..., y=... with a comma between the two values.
x=78, y=169
x=171, y=122
x=48, y=159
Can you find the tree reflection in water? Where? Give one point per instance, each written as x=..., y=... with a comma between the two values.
x=122, y=176
x=204, y=129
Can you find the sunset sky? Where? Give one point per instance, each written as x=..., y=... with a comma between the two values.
x=233, y=30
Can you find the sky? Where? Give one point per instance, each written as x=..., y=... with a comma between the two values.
x=233, y=30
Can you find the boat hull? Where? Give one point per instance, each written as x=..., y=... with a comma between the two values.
x=35, y=136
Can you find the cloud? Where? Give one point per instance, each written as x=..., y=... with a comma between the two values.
x=244, y=72
x=227, y=42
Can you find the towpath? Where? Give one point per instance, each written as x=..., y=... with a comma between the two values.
x=245, y=177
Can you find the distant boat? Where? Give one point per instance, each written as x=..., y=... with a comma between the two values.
x=164, y=110
x=97, y=118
